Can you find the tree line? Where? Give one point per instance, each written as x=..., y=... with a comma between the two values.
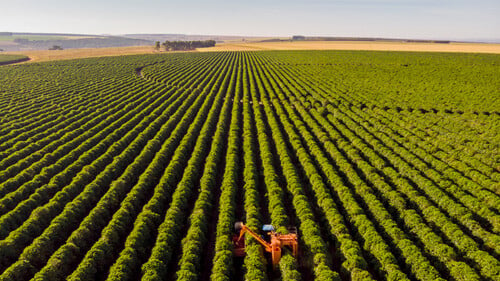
x=184, y=45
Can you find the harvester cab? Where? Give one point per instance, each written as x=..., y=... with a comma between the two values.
x=273, y=242
x=267, y=228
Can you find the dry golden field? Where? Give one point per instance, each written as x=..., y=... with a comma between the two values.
x=358, y=45
x=46, y=55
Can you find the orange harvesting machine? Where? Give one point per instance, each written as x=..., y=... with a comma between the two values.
x=273, y=245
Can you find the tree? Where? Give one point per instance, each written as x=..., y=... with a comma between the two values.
x=157, y=45
x=187, y=45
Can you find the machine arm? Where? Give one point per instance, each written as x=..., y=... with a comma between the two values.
x=244, y=229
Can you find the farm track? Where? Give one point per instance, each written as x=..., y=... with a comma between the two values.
x=141, y=172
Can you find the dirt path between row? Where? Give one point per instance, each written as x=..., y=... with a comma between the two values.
x=138, y=71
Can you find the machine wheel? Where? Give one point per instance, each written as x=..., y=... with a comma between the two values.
x=238, y=226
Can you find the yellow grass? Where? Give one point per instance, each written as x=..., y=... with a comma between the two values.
x=357, y=45
x=46, y=55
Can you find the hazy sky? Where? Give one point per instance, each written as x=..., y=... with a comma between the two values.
x=426, y=19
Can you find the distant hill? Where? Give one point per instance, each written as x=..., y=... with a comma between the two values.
x=43, y=41
x=361, y=39
x=18, y=41
x=383, y=39
x=185, y=37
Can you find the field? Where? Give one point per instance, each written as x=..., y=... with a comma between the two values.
x=32, y=37
x=359, y=45
x=8, y=59
x=46, y=55
x=69, y=54
x=137, y=167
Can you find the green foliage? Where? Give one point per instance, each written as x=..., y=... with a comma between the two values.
x=137, y=167
x=186, y=45
x=7, y=59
